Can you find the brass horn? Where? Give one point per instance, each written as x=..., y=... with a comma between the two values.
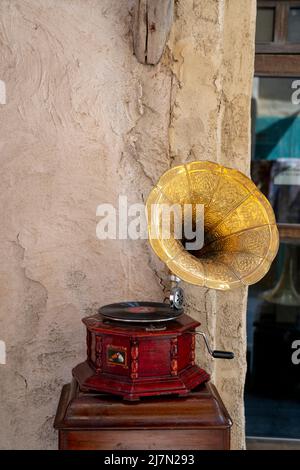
x=240, y=232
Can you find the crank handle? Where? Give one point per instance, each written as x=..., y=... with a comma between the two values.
x=216, y=354
x=223, y=354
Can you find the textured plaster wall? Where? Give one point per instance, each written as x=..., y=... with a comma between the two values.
x=83, y=123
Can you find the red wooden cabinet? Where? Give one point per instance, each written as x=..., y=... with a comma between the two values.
x=94, y=421
x=140, y=360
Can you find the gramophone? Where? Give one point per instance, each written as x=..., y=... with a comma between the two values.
x=137, y=349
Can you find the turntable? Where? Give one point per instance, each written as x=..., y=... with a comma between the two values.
x=137, y=349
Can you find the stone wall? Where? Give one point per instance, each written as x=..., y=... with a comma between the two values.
x=83, y=123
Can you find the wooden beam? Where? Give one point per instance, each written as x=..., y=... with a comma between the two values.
x=152, y=23
x=277, y=65
x=289, y=232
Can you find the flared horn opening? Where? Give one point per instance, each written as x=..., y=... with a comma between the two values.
x=240, y=236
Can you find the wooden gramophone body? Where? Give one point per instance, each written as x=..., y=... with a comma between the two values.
x=140, y=360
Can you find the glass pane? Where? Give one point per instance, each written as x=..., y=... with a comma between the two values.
x=294, y=25
x=275, y=119
x=272, y=389
x=273, y=327
x=265, y=25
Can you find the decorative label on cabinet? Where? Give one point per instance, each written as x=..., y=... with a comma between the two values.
x=116, y=355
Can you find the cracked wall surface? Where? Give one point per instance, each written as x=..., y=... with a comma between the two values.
x=83, y=123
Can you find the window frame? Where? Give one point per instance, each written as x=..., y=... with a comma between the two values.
x=278, y=58
x=280, y=43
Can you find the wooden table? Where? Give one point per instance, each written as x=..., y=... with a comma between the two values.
x=95, y=421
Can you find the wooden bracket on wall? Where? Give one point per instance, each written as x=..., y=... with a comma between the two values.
x=152, y=23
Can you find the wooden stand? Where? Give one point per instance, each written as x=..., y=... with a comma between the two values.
x=94, y=421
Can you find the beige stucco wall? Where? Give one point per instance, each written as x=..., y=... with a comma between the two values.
x=84, y=122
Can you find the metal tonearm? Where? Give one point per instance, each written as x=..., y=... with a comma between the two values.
x=176, y=297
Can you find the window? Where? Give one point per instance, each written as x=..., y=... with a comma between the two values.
x=273, y=318
x=278, y=27
x=277, y=50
